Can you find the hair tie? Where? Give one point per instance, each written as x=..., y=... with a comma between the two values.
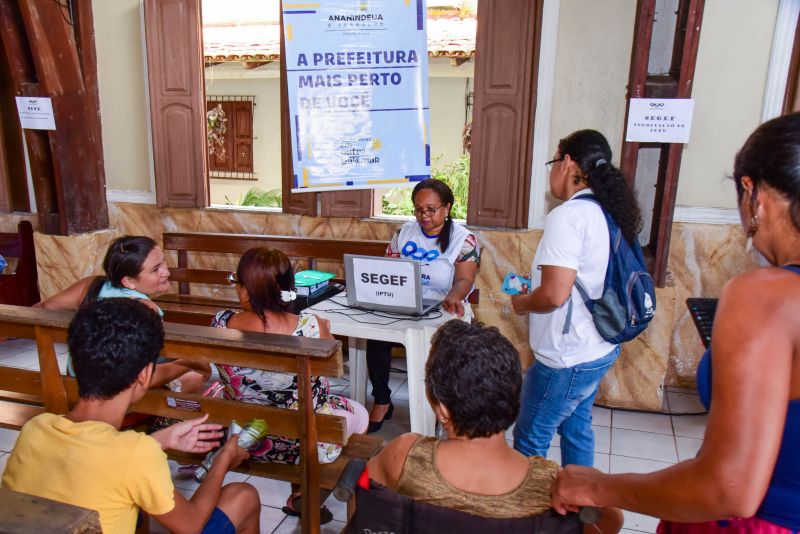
x=599, y=162
x=288, y=296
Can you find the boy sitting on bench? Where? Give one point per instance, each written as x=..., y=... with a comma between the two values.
x=82, y=458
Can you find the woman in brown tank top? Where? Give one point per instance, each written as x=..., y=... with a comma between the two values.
x=473, y=380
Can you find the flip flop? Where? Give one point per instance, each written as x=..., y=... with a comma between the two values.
x=292, y=508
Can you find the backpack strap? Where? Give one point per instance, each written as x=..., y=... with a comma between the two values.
x=581, y=290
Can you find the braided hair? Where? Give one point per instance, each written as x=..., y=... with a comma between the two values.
x=446, y=196
x=591, y=152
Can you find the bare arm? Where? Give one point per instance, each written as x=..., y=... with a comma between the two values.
x=387, y=466
x=69, y=299
x=754, y=342
x=553, y=292
x=190, y=516
x=463, y=280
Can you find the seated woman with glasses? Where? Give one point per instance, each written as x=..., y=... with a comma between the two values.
x=473, y=380
x=265, y=286
x=449, y=257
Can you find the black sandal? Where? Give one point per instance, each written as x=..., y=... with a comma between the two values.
x=325, y=515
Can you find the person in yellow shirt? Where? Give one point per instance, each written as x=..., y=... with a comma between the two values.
x=82, y=458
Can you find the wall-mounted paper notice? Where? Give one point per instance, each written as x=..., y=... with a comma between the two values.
x=36, y=113
x=660, y=120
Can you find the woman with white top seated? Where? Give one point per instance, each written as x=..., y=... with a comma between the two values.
x=449, y=257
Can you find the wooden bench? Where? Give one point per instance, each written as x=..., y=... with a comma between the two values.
x=22, y=286
x=23, y=513
x=303, y=356
x=186, y=308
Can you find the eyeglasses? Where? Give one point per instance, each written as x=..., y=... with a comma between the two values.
x=427, y=212
x=232, y=278
x=550, y=163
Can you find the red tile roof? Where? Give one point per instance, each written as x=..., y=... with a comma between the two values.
x=259, y=41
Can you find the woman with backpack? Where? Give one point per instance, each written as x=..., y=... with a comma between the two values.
x=746, y=476
x=571, y=355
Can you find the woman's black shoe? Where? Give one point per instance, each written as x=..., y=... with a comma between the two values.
x=374, y=426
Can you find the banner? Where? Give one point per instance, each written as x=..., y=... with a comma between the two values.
x=357, y=72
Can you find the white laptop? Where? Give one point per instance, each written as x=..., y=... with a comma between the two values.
x=386, y=284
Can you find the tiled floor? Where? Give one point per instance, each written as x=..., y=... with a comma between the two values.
x=625, y=442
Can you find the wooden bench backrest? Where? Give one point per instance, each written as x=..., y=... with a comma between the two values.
x=21, y=287
x=309, y=248
x=302, y=356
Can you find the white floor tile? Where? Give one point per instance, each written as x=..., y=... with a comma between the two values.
x=601, y=462
x=601, y=416
x=291, y=525
x=646, y=422
x=7, y=439
x=639, y=522
x=685, y=403
x=602, y=439
x=3, y=460
x=337, y=508
x=688, y=447
x=19, y=342
x=626, y=464
x=401, y=392
x=645, y=445
x=270, y=518
x=7, y=350
x=391, y=430
x=401, y=415
x=273, y=493
x=26, y=359
x=690, y=426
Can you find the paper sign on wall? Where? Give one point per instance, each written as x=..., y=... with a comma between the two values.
x=390, y=283
x=36, y=113
x=660, y=120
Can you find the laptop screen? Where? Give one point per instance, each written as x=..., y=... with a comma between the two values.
x=382, y=282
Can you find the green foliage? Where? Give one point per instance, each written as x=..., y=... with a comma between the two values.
x=456, y=175
x=255, y=196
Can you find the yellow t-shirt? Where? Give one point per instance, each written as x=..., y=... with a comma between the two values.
x=92, y=465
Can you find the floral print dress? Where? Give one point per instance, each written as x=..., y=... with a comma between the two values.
x=280, y=389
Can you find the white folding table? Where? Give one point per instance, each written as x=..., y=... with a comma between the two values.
x=412, y=332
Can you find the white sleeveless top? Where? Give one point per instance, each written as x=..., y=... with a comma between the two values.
x=436, y=268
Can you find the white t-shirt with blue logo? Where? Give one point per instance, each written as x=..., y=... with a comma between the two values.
x=437, y=269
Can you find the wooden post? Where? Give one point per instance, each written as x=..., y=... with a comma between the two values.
x=53, y=392
x=69, y=79
x=309, y=457
x=23, y=79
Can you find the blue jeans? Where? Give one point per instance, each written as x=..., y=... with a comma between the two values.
x=560, y=400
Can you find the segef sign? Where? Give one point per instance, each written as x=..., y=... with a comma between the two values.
x=384, y=282
x=660, y=120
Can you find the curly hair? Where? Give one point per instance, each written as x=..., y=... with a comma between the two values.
x=771, y=155
x=590, y=150
x=475, y=372
x=110, y=342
